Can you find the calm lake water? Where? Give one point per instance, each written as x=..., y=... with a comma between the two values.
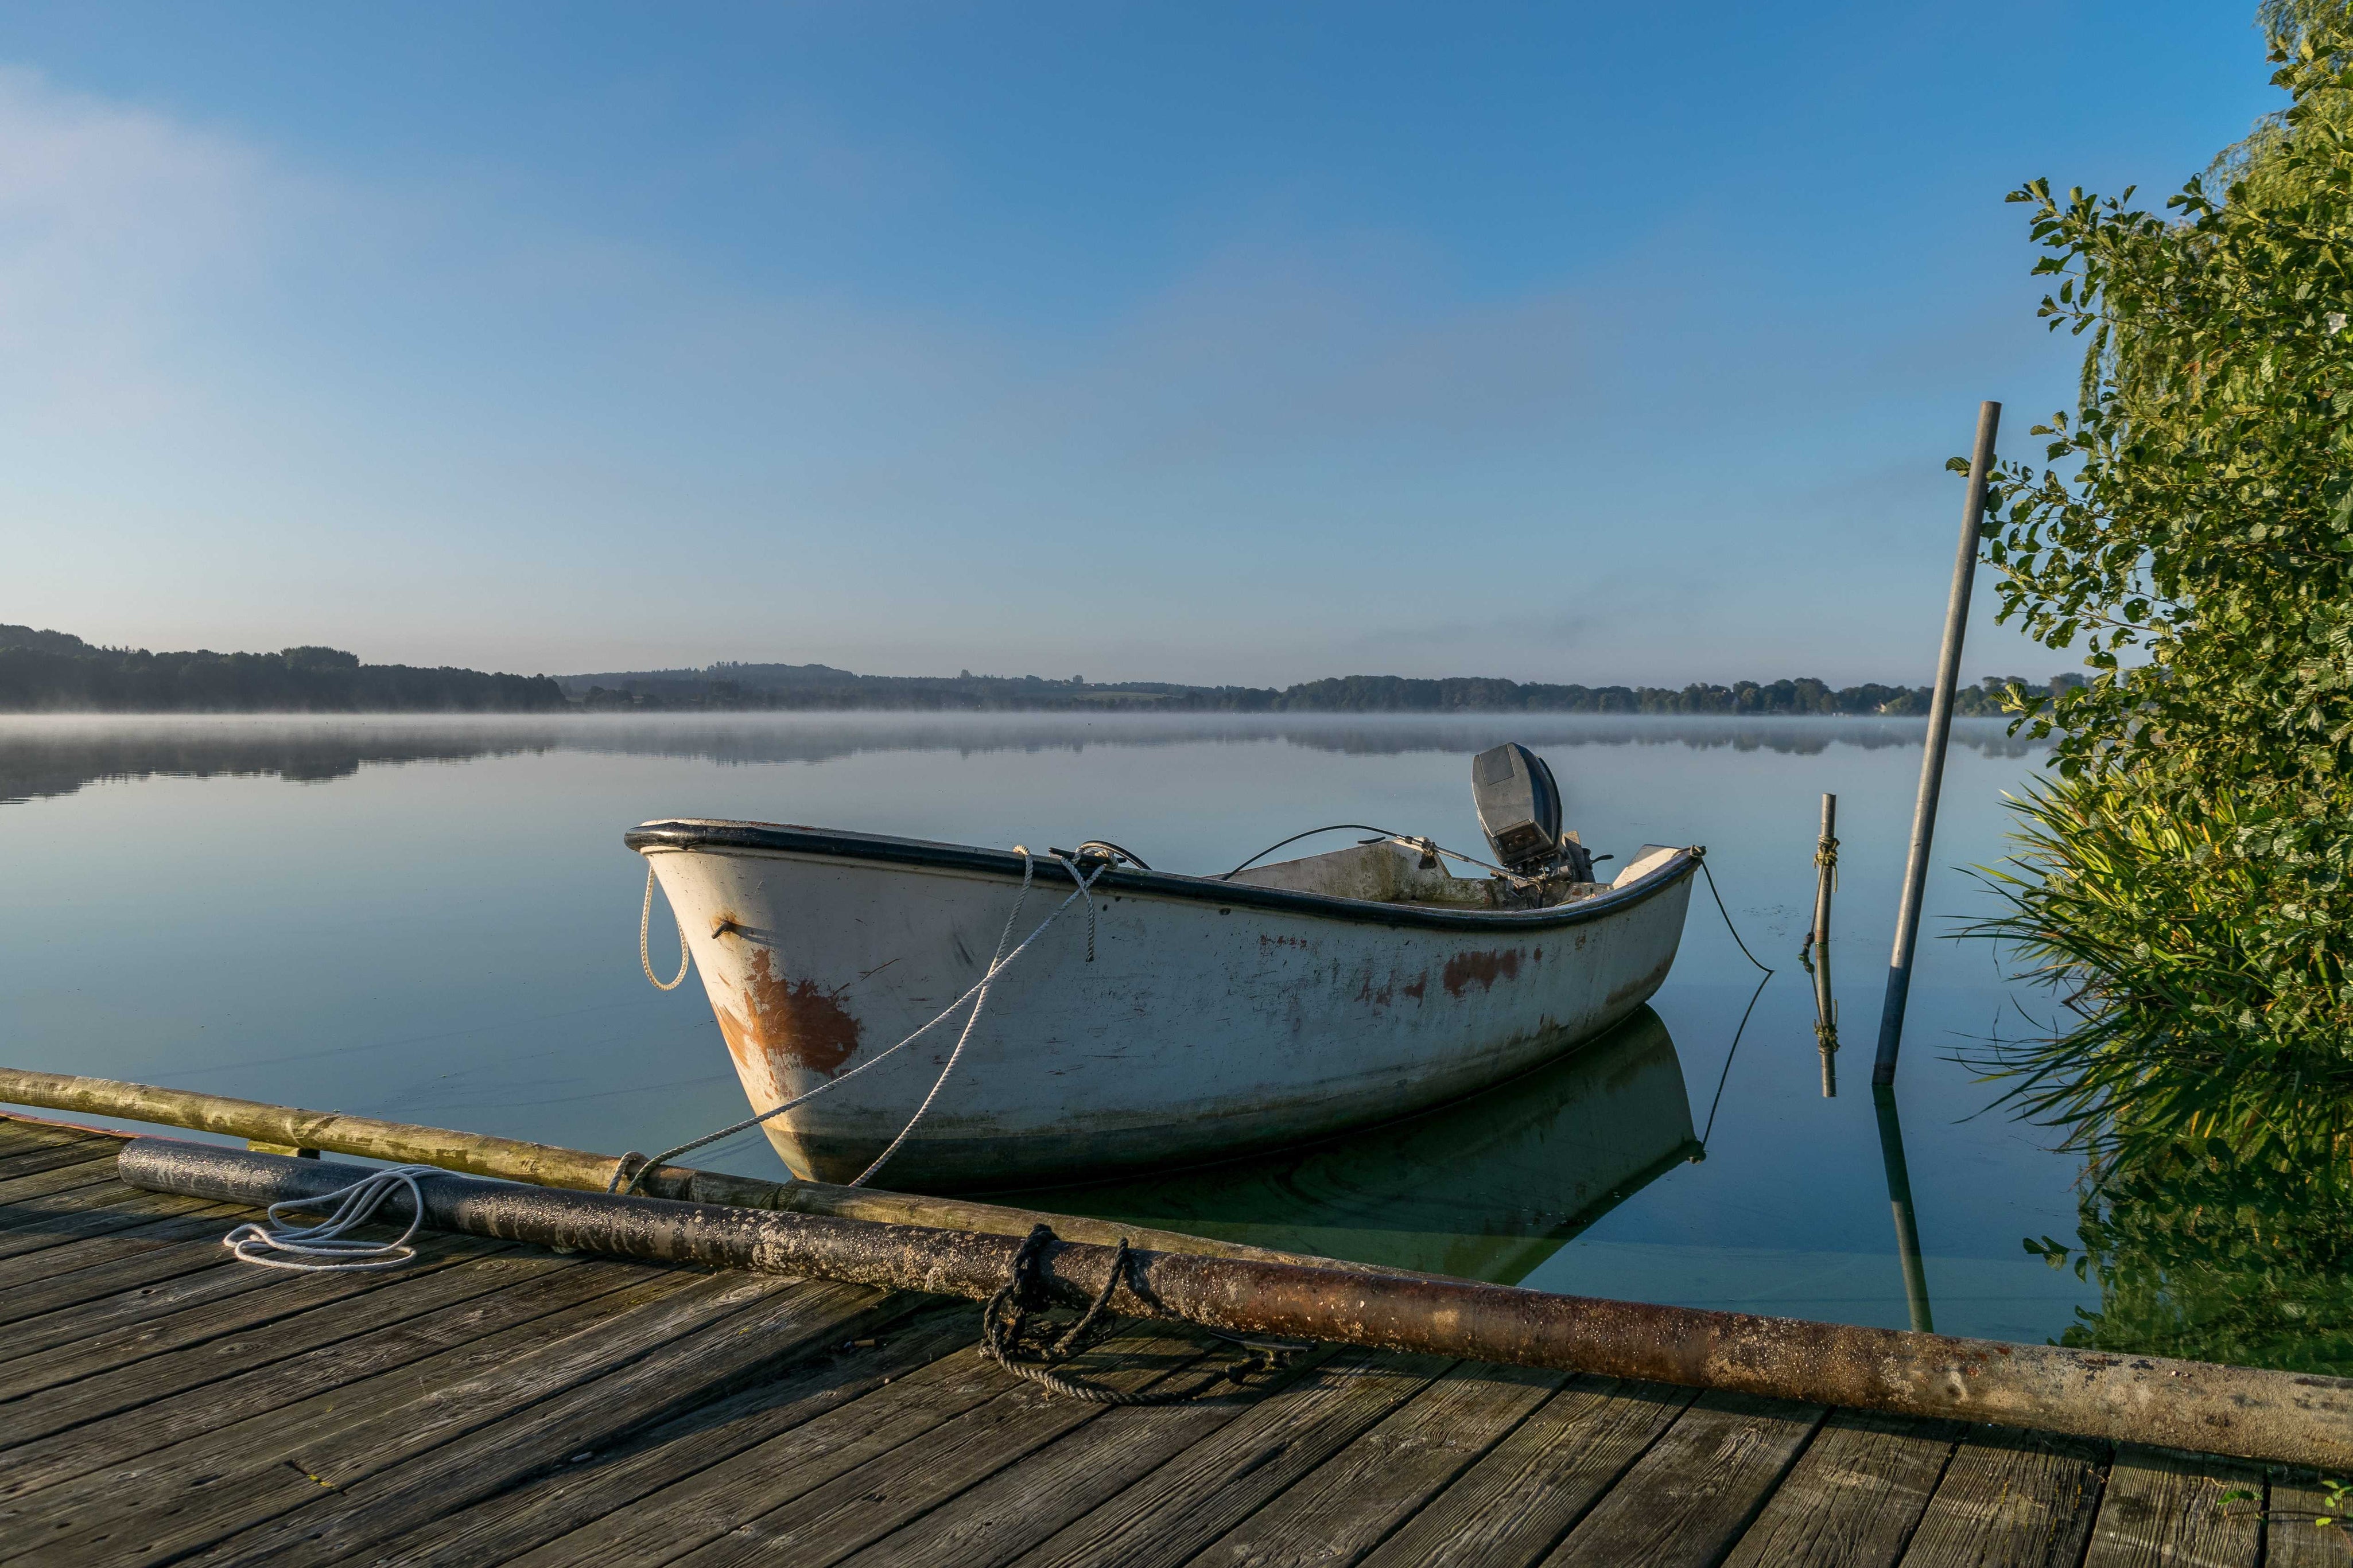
x=434, y=920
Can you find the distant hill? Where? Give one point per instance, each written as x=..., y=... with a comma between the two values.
x=49, y=671
x=819, y=687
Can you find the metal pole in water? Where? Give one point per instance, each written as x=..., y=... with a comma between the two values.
x=1899, y=1198
x=1932, y=764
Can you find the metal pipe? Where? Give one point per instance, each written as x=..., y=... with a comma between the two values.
x=1932, y=765
x=2240, y=1411
x=1899, y=1199
x=285, y=1128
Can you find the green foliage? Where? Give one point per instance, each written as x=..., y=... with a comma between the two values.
x=2184, y=882
x=2205, y=518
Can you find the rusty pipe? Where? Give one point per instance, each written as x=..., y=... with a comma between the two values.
x=2243, y=1412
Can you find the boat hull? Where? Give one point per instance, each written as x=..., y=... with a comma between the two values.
x=1214, y=1019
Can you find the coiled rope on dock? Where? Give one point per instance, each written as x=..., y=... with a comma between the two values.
x=328, y=1246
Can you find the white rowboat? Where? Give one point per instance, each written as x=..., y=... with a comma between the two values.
x=1217, y=1018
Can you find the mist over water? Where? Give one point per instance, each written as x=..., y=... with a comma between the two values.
x=435, y=920
x=55, y=755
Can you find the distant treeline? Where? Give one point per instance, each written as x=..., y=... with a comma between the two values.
x=823, y=688
x=48, y=672
x=44, y=671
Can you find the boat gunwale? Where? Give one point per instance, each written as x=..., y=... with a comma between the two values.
x=688, y=835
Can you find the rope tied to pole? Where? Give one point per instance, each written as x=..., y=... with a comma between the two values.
x=1826, y=857
x=629, y=1171
x=1005, y=1324
x=328, y=1245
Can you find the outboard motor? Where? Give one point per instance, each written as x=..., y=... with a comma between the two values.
x=1519, y=810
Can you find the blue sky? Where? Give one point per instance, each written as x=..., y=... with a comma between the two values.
x=1199, y=341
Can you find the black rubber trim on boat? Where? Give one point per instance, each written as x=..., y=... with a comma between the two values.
x=785, y=838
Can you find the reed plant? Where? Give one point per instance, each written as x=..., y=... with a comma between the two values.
x=2196, y=970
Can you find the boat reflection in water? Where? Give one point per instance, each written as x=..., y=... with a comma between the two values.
x=1485, y=1189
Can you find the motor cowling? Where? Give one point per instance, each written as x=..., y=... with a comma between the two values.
x=1519, y=808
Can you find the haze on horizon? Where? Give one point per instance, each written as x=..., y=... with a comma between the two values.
x=1195, y=343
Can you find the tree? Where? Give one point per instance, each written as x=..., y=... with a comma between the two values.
x=2192, y=529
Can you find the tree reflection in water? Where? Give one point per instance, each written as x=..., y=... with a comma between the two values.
x=2202, y=1254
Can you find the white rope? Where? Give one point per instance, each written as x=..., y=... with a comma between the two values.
x=977, y=992
x=645, y=919
x=644, y=922
x=317, y=1249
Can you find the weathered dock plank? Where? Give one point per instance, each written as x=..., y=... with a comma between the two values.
x=1514, y=1506
x=1042, y=1492
x=2291, y=1538
x=1690, y=1497
x=109, y=1334
x=599, y=1479
x=1180, y=1508
x=118, y=1414
x=407, y=1468
x=1374, y=1485
x=2009, y=1498
x=1854, y=1498
x=497, y=1404
x=2165, y=1511
x=861, y=1506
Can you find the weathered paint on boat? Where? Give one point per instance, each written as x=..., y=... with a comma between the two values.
x=1216, y=1018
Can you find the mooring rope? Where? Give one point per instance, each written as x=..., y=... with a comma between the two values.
x=1699, y=853
x=1004, y=1319
x=645, y=921
x=326, y=1246
x=978, y=993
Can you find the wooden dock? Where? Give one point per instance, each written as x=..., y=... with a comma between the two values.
x=493, y=1403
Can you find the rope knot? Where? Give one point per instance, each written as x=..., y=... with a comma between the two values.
x=1004, y=1323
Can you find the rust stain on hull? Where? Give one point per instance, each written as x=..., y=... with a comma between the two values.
x=792, y=1022
x=1485, y=968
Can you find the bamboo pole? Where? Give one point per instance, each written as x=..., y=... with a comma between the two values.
x=1819, y=939
x=1825, y=870
x=2240, y=1411
x=1932, y=765
x=284, y=1130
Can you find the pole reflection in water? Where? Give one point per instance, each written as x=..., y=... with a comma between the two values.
x=1899, y=1198
x=1484, y=1189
